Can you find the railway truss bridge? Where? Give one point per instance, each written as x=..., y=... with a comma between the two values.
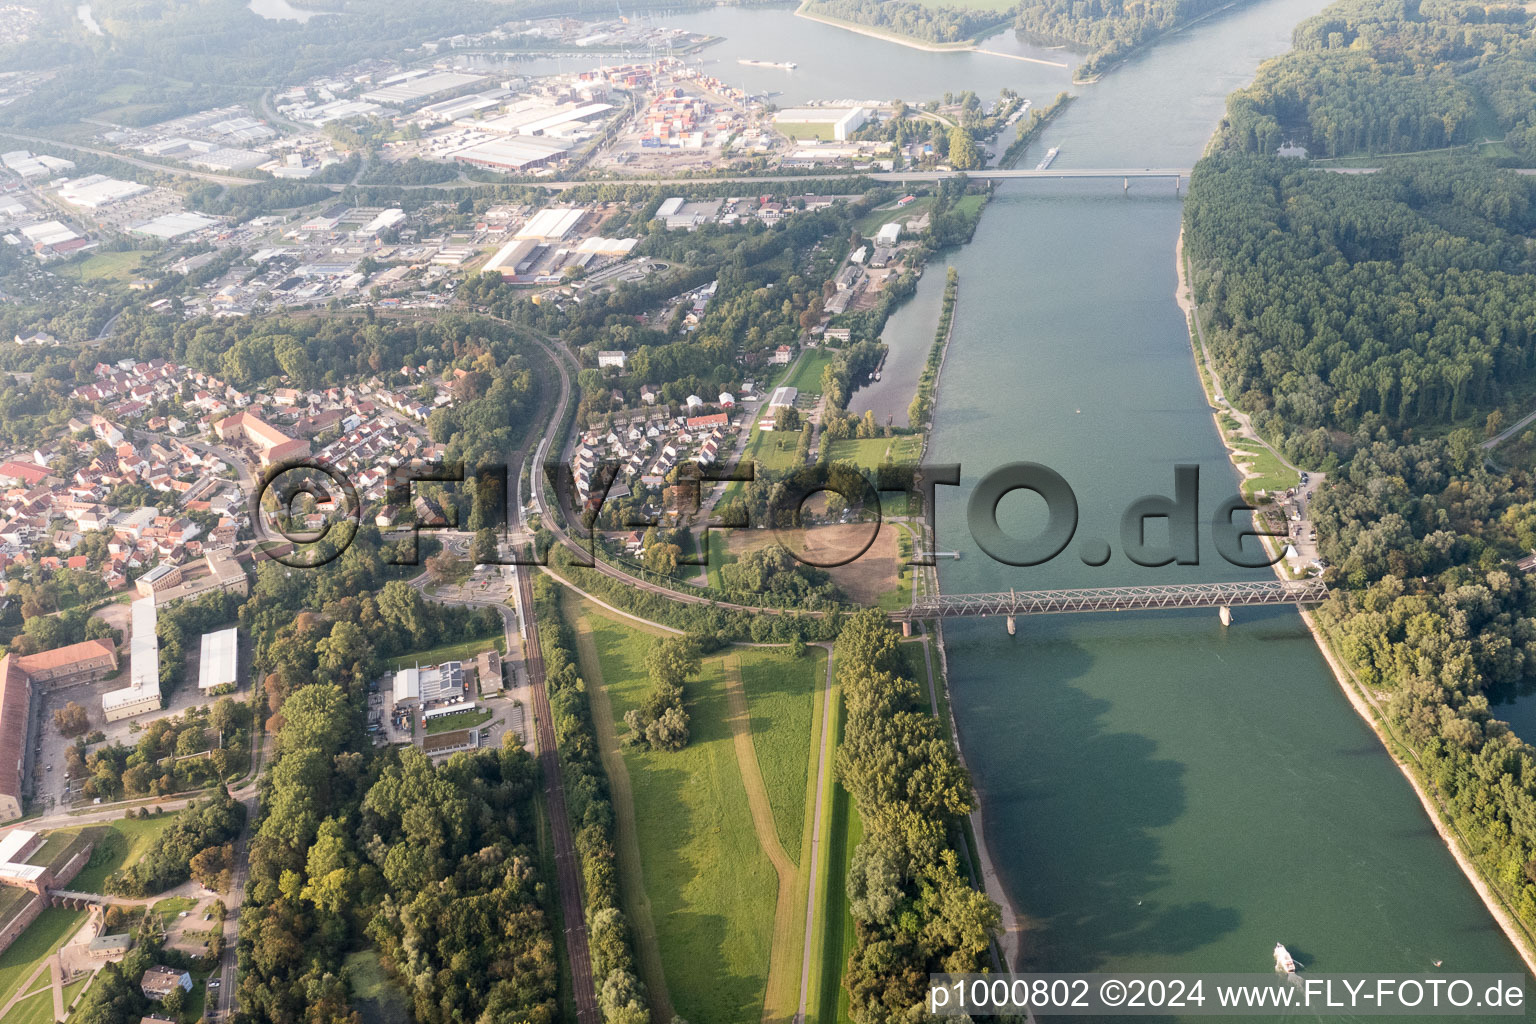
x=1223, y=596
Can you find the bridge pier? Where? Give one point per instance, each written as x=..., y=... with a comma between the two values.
x=906, y=627
x=1127, y=185
x=1012, y=626
x=1226, y=615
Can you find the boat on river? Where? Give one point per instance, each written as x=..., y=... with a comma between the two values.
x=1050, y=155
x=787, y=65
x=1283, y=959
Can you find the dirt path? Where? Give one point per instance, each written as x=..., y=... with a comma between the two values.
x=778, y=1004
x=637, y=904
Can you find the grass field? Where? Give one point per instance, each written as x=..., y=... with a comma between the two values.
x=775, y=449
x=869, y=453
x=106, y=267
x=119, y=844
x=1272, y=476
x=373, y=994
x=832, y=925
x=875, y=219
x=34, y=1008
x=807, y=372
x=41, y=938
x=462, y=650
x=462, y=720
x=711, y=889
x=779, y=694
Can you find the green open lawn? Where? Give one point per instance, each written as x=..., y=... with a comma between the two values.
x=41, y=938
x=780, y=692
x=807, y=372
x=775, y=449
x=869, y=453
x=168, y=909
x=877, y=218
x=1273, y=475
x=712, y=889
x=119, y=844
x=106, y=267
x=459, y=650
x=374, y=995
x=35, y=1008
x=462, y=720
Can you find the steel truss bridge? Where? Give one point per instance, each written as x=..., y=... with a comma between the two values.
x=1224, y=596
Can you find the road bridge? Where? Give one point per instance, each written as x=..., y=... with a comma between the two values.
x=1224, y=596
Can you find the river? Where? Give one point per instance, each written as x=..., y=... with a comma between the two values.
x=1161, y=793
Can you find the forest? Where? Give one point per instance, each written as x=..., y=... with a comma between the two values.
x=1331, y=301
x=1109, y=29
x=914, y=909
x=361, y=849
x=1379, y=76
x=928, y=22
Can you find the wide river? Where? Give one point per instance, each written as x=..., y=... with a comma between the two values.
x=1161, y=793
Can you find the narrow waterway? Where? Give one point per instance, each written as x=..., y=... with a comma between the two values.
x=1161, y=793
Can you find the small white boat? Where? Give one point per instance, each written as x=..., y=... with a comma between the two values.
x=1284, y=961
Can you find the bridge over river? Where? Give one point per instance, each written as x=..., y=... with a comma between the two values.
x=1224, y=596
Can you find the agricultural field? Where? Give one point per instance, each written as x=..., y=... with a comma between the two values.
x=462, y=650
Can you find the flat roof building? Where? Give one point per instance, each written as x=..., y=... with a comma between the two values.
x=218, y=660
x=143, y=690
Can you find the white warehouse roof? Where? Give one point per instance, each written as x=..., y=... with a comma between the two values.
x=552, y=224
x=217, y=663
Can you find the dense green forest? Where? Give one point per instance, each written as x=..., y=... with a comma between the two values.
x=1381, y=326
x=928, y=22
x=1384, y=76
x=1109, y=29
x=914, y=909
x=435, y=867
x=1332, y=301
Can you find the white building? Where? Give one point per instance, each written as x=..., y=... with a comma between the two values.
x=142, y=694
x=218, y=661
x=615, y=359
x=889, y=233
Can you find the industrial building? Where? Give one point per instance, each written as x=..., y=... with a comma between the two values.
x=174, y=225
x=511, y=258
x=399, y=90
x=425, y=685
x=512, y=154
x=97, y=190
x=552, y=224
x=843, y=121
x=218, y=662
x=142, y=693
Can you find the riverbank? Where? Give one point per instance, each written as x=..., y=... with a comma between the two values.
x=1363, y=702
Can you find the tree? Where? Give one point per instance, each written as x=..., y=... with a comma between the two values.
x=72, y=720
x=963, y=155
x=787, y=418
x=485, y=550
x=662, y=558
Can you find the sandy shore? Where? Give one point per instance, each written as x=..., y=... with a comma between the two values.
x=1364, y=707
